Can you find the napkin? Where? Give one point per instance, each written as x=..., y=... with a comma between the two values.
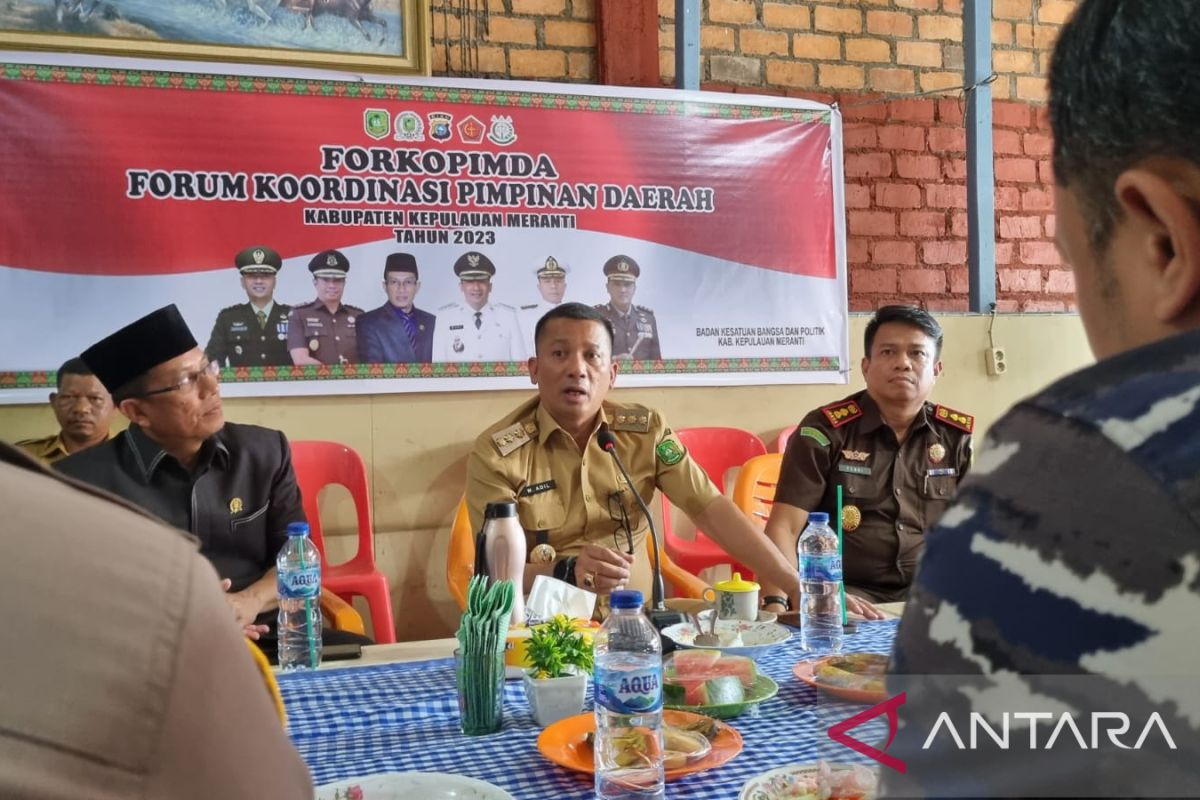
x=550, y=597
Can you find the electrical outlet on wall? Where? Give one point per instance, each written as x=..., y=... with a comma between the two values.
x=996, y=360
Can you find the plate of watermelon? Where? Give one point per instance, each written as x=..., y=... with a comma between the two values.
x=714, y=684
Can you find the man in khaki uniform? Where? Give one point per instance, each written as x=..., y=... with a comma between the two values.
x=570, y=496
x=128, y=676
x=897, y=457
x=84, y=410
x=324, y=331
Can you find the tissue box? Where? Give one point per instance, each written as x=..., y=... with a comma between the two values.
x=518, y=638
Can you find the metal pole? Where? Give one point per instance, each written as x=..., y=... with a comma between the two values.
x=687, y=44
x=981, y=177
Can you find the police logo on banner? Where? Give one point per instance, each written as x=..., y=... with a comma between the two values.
x=409, y=127
x=502, y=131
x=377, y=123
x=439, y=126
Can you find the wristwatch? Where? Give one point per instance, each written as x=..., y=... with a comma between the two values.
x=769, y=599
x=565, y=570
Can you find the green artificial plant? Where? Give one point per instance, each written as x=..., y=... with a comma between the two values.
x=555, y=647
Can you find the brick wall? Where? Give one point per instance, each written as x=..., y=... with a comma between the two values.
x=894, y=67
x=518, y=39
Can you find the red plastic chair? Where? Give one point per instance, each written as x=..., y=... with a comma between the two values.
x=319, y=464
x=716, y=450
x=782, y=441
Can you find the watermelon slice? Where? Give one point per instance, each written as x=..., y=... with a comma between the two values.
x=694, y=662
x=739, y=666
x=711, y=692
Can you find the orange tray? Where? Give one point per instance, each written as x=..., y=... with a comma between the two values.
x=805, y=672
x=563, y=743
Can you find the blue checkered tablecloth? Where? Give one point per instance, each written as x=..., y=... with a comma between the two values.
x=404, y=717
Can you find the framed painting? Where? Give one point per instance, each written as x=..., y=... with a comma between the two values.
x=357, y=35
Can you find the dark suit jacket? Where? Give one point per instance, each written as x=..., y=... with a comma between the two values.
x=238, y=503
x=382, y=338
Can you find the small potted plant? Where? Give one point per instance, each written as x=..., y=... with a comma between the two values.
x=560, y=659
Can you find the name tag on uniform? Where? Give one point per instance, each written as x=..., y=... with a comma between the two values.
x=456, y=327
x=538, y=488
x=933, y=473
x=238, y=327
x=853, y=469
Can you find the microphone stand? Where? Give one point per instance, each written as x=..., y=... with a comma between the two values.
x=660, y=616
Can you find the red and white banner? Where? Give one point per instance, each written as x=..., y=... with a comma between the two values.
x=131, y=184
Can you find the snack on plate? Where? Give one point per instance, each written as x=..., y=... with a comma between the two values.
x=861, y=671
x=822, y=781
x=680, y=745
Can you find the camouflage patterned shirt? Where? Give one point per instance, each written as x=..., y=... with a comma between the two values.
x=1072, y=549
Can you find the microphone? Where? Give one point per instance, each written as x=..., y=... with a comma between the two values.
x=660, y=616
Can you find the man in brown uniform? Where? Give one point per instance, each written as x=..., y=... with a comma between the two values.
x=635, y=331
x=125, y=675
x=569, y=493
x=84, y=410
x=324, y=332
x=897, y=457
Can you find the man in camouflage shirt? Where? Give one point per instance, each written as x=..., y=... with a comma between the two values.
x=1066, y=575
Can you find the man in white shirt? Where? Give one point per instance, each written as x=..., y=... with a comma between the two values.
x=552, y=286
x=477, y=329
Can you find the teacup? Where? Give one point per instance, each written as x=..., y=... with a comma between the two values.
x=735, y=598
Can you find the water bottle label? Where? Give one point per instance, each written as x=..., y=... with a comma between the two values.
x=629, y=692
x=300, y=583
x=826, y=568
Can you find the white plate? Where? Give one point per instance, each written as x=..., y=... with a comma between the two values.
x=756, y=637
x=789, y=782
x=763, y=616
x=411, y=785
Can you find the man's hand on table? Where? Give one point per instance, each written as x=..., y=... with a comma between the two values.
x=245, y=609
x=602, y=569
x=854, y=605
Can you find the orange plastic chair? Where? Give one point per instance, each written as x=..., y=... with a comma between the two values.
x=716, y=450
x=754, y=491
x=460, y=563
x=317, y=465
x=782, y=442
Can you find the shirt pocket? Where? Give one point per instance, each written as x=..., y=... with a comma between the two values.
x=542, y=512
x=250, y=525
x=939, y=487
x=856, y=484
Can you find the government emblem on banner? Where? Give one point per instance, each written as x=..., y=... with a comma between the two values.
x=502, y=131
x=470, y=130
x=409, y=127
x=377, y=123
x=439, y=125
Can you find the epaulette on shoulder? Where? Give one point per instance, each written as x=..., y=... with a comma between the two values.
x=355, y=310
x=841, y=413
x=955, y=419
x=447, y=307
x=514, y=437
x=505, y=306
x=636, y=420
x=531, y=305
x=643, y=309
x=233, y=307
